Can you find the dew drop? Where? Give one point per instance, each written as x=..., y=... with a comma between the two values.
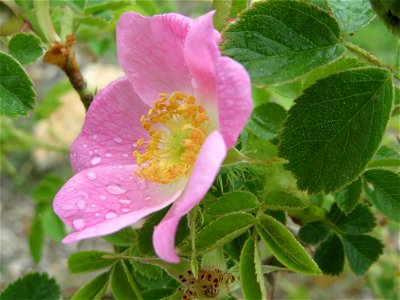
x=82, y=195
x=108, y=154
x=90, y=152
x=81, y=204
x=94, y=136
x=131, y=177
x=117, y=139
x=115, y=189
x=91, y=175
x=125, y=210
x=93, y=205
x=102, y=197
x=95, y=159
x=125, y=155
x=141, y=184
x=84, y=145
x=124, y=201
x=147, y=198
x=97, y=214
x=79, y=223
x=111, y=214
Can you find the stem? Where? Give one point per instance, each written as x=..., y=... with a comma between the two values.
x=192, y=217
x=44, y=20
x=369, y=57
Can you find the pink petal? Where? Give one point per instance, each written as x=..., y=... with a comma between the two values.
x=203, y=175
x=104, y=199
x=150, y=51
x=111, y=127
x=201, y=52
x=234, y=99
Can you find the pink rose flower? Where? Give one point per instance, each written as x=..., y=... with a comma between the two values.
x=159, y=135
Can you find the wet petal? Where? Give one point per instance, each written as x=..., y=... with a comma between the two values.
x=111, y=127
x=104, y=199
x=203, y=175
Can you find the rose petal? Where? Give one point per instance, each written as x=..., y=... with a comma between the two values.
x=234, y=99
x=150, y=51
x=201, y=52
x=111, y=127
x=102, y=200
x=203, y=175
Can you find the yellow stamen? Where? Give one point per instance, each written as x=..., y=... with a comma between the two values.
x=177, y=128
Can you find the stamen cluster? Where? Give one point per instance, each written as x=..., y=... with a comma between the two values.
x=177, y=127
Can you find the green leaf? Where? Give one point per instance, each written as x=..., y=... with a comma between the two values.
x=383, y=189
x=280, y=40
x=266, y=120
x=96, y=21
x=336, y=66
x=238, y=201
x=124, y=237
x=223, y=230
x=279, y=200
x=330, y=255
x=17, y=96
x=359, y=221
x=347, y=198
x=361, y=251
x=385, y=157
x=251, y=286
x=26, y=48
x=122, y=284
x=226, y=9
x=100, y=7
x=33, y=286
x=88, y=261
x=94, y=290
x=352, y=15
x=174, y=270
x=147, y=270
x=285, y=247
x=53, y=227
x=335, y=127
x=314, y=232
x=36, y=235
x=47, y=188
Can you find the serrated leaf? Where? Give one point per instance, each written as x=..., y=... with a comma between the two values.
x=314, y=232
x=384, y=192
x=330, y=255
x=17, y=96
x=122, y=284
x=88, y=261
x=26, y=48
x=53, y=227
x=335, y=127
x=238, y=201
x=94, y=289
x=347, y=198
x=33, y=286
x=251, y=286
x=47, y=188
x=266, y=120
x=222, y=230
x=280, y=40
x=359, y=221
x=285, y=247
x=361, y=251
x=280, y=200
x=336, y=66
x=385, y=157
x=352, y=15
x=124, y=237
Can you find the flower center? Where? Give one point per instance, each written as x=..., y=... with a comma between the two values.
x=177, y=127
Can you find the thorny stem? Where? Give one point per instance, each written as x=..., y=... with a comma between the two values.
x=369, y=57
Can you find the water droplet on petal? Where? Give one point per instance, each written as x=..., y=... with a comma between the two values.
x=115, y=189
x=102, y=197
x=95, y=159
x=125, y=155
x=93, y=205
x=82, y=195
x=81, y=204
x=131, y=177
x=125, y=201
x=90, y=152
x=94, y=136
x=79, y=223
x=117, y=139
x=111, y=214
x=108, y=154
x=141, y=184
x=84, y=145
x=125, y=210
x=147, y=198
x=91, y=175
x=97, y=214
